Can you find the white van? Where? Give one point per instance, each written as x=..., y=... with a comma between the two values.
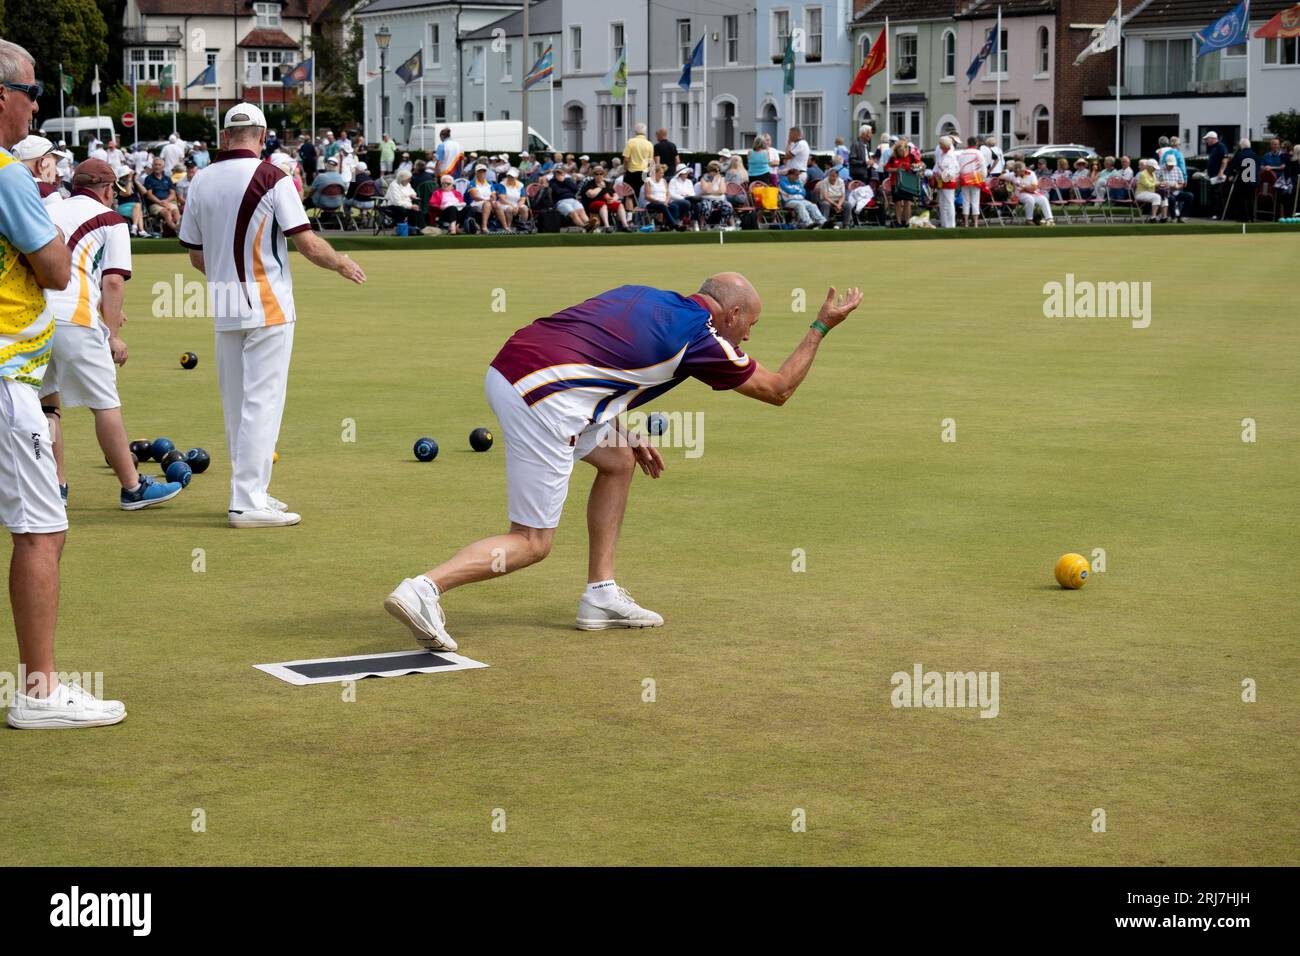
x=79, y=130
x=493, y=136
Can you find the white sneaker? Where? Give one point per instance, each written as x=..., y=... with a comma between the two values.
x=67, y=707
x=275, y=504
x=622, y=612
x=423, y=615
x=262, y=518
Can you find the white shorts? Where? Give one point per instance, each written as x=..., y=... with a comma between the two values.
x=567, y=207
x=29, y=483
x=538, y=462
x=81, y=368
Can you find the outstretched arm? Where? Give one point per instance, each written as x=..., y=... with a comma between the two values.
x=320, y=253
x=776, y=388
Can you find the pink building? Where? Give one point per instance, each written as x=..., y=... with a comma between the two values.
x=1024, y=64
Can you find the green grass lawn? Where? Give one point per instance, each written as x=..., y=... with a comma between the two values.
x=773, y=687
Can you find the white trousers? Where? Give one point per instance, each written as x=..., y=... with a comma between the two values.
x=1032, y=201
x=947, y=208
x=253, y=374
x=970, y=201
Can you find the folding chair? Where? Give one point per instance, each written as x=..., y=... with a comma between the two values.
x=623, y=192
x=1266, y=197
x=996, y=202
x=1064, y=187
x=1084, y=205
x=334, y=191
x=746, y=204
x=1119, y=195
x=766, y=218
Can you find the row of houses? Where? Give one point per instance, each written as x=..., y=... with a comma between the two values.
x=1030, y=91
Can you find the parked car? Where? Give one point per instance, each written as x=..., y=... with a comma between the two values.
x=1033, y=153
x=478, y=137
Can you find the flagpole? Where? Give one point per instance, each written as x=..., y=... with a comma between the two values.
x=135, y=98
x=1119, y=77
x=61, y=90
x=1247, y=25
x=704, y=102
x=997, y=108
x=216, y=99
x=97, y=91
x=365, y=97
x=889, y=116
x=175, y=102
x=552, y=78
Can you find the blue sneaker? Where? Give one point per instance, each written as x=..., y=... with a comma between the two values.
x=151, y=492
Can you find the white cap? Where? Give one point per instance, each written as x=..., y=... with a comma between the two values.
x=32, y=147
x=724, y=152
x=1210, y=135
x=363, y=167
x=512, y=172
x=172, y=138
x=1170, y=160
x=683, y=168
x=243, y=114
x=282, y=161
x=584, y=156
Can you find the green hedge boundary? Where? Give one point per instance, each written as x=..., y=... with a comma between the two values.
x=350, y=243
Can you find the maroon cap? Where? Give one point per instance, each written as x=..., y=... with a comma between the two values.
x=93, y=172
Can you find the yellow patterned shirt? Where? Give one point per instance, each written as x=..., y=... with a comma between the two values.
x=26, y=321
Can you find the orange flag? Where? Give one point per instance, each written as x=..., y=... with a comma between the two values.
x=873, y=64
x=1283, y=26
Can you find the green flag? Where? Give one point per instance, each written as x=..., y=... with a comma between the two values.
x=787, y=65
x=616, y=79
x=165, y=79
x=66, y=81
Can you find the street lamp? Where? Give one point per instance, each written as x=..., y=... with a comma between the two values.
x=382, y=37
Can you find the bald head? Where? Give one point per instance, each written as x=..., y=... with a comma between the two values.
x=737, y=305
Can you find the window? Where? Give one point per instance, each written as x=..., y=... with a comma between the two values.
x=435, y=44
x=575, y=49
x=812, y=19
x=612, y=127
x=949, y=54
x=780, y=32
x=864, y=50
x=539, y=47
x=1044, y=56
x=985, y=117
x=147, y=63
x=211, y=56
x=1169, y=68
x=808, y=117
x=617, y=43
x=1282, y=51
x=439, y=108
x=905, y=56
x=268, y=14
x=683, y=41
x=1002, y=54
x=683, y=123
x=1042, y=125
x=907, y=122
x=261, y=67
x=731, y=38
x=478, y=116
x=508, y=63
x=505, y=114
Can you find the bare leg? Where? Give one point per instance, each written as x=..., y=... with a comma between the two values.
x=111, y=432
x=56, y=432
x=34, y=596
x=493, y=557
x=605, y=507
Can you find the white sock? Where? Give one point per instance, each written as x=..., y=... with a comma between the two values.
x=426, y=587
x=601, y=593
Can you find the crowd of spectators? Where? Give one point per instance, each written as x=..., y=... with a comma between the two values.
x=650, y=187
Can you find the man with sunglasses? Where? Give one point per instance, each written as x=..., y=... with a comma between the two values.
x=33, y=257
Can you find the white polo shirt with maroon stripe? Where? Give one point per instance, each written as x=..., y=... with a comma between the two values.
x=239, y=211
x=100, y=242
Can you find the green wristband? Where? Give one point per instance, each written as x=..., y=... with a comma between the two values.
x=820, y=326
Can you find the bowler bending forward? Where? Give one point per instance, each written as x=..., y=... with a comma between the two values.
x=558, y=386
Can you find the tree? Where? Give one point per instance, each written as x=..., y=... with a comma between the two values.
x=71, y=32
x=336, y=52
x=1285, y=125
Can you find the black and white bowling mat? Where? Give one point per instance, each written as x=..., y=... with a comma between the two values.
x=330, y=670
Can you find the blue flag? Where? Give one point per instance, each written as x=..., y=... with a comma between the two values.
x=207, y=78
x=1231, y=29
x=299, y=74
x=987, y=50
x=697, y=59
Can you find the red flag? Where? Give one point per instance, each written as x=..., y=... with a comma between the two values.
x=873, y=64
x=1283, y=26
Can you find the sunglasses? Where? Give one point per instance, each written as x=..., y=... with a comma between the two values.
x=34, y=91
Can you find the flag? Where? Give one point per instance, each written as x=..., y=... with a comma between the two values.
x=873, y=64
x=94, y=84
x=302, y=73
x=989, y=48
x=364, y=76
x=1284, y=26
x=207, y=78
x=1231, y=29
x=66, y=79
x=477, y=67
x=787, y=66
x=616, y=78
x=544, y=67
x=166, y=76
x=413, y=68
x=697, y=59
x=1103, y=39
